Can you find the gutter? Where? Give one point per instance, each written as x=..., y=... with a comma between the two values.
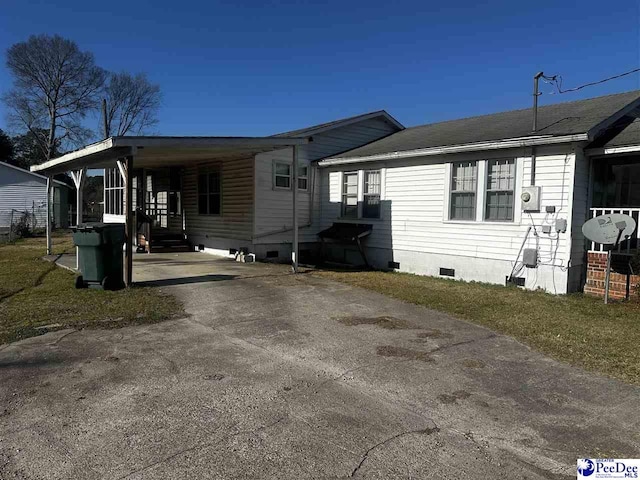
x=469, y=147
x=590, y=152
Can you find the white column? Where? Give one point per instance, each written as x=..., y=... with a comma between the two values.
x=78, y=180
x=294, y=186
x=129, y=221
x=49, y=204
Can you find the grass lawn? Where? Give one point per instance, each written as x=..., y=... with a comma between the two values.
x=34, y=292
x=577, y=329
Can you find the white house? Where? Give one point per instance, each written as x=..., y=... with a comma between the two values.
x=25, y=193
x=443, y=199
x=450, y=192
x=242, y=202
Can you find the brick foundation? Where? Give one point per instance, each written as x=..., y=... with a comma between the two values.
x=596, y=272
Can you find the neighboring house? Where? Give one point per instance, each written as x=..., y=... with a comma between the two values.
x=23, y=192
x=450, y=192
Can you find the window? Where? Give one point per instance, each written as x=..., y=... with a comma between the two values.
x=464, y=176
x=303, y=177
x=113, y=192
x=350, y=195
x=281, y=175
x=209, y=193
x=501, y=180
x=371, y=200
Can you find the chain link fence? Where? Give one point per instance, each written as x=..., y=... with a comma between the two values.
x=16, y=224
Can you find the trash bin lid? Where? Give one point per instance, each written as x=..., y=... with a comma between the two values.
x=98, y=227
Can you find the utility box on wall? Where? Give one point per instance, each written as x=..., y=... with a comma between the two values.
x=530, y=257
x=530, y=198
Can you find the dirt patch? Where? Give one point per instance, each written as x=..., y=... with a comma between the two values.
x=451, y=398
x=392, y=351
x=390, y=323
x=472, y=363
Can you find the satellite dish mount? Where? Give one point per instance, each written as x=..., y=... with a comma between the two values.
x=609, y=230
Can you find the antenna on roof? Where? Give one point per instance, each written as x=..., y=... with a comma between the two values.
x=536, y=94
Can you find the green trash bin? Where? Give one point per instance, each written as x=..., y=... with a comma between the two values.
x=100, y=254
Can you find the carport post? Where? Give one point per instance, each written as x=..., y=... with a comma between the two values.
x=48, y=203
x=129, y=227
x=78, y=180
x=294, y=187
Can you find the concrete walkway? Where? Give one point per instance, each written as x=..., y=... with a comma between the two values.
x=281, y=376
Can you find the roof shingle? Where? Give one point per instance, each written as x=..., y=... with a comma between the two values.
x=558, y=119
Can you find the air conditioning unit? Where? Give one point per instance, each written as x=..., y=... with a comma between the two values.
x=530, y=198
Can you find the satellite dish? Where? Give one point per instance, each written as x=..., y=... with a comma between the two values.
x=605, y=229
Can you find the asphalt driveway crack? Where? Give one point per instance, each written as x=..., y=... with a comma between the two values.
x=365, y=456
x=464, y=342
x=200, y=446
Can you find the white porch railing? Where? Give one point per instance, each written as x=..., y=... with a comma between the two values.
x=625, y=246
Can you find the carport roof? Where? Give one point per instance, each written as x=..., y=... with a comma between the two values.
x=163, y=151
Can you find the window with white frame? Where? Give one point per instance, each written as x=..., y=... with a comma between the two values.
x=371, y=194
x=350, y=194
x=281, y=175
x=303, y=177
x=209, y=192
x=113, y=192
x=462, y=202
x=500, y=194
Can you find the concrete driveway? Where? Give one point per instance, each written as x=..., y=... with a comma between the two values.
x=281, y=376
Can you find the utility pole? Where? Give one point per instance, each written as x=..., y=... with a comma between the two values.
x=104, y=118
x=536, y=94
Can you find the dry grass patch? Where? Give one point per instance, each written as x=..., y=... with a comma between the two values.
x=35, y=293
x=577, y=329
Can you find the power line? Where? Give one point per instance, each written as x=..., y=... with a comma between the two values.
x=556, y=80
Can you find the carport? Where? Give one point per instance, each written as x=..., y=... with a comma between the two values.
x=127, y=153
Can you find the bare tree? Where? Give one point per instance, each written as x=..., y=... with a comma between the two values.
x=55, y=85
x=132, y=104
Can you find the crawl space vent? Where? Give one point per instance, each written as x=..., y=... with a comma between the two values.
x=272, y=254
x=394, y=264
x=447, y=272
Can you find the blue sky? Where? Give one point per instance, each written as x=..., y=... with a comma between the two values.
x=256, y=68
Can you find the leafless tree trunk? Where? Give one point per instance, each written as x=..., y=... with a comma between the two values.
x=55, y=85
x=132, y=104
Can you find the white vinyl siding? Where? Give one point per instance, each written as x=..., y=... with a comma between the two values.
x=415, y=218
x=273, y=205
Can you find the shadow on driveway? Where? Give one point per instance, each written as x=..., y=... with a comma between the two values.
x=186, y=280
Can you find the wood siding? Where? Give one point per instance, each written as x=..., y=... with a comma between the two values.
x=274, y=206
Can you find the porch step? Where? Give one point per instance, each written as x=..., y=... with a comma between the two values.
x=169, y=242
x=170, y=249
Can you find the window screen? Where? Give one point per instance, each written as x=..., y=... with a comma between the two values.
x=501, y=181
x=464, y=176
x=350, y=195
x=303, y=177
x=282, y=175
x=371, y=205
